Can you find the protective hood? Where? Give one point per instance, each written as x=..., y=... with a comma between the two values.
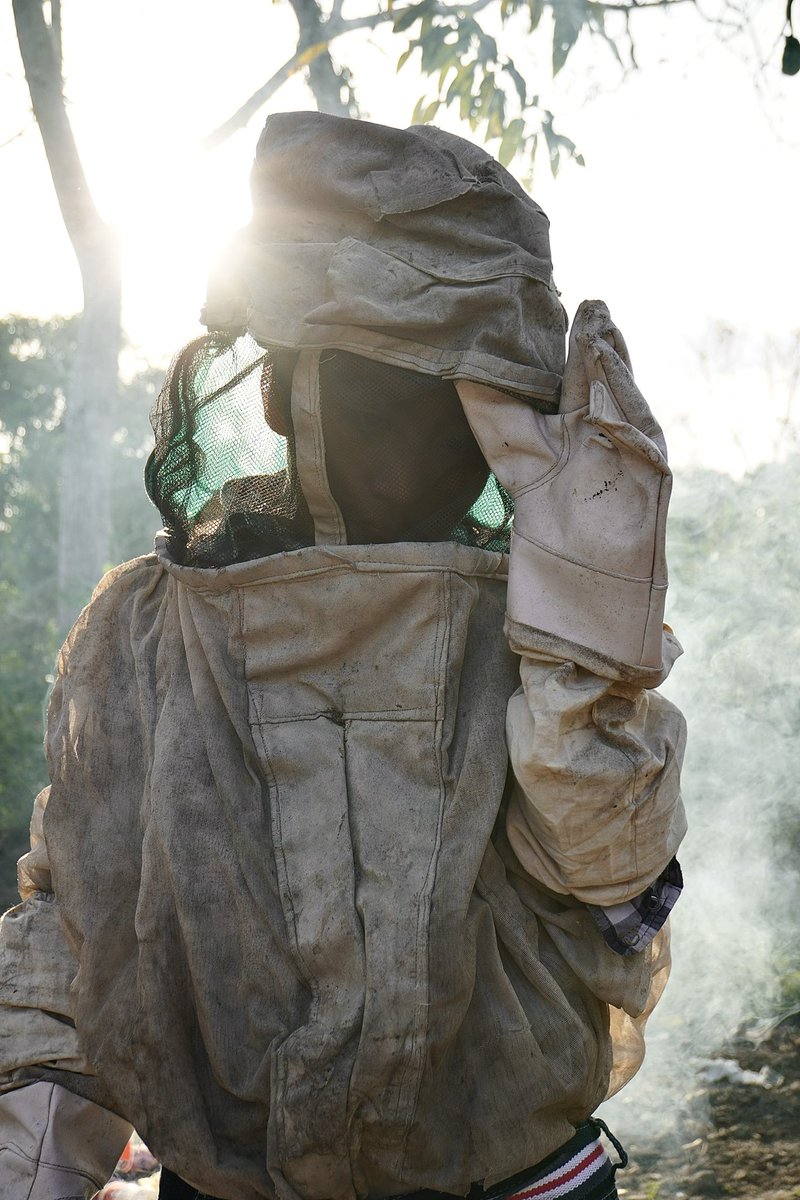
x=413, y=247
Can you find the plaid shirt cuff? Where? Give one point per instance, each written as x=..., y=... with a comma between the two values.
x=629, y=927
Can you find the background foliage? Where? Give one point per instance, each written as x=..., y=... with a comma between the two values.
x=35, y=359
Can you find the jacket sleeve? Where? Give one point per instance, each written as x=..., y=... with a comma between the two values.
x=36, y=971
x=37, y=961
x=595, y=810
x=52, y=1143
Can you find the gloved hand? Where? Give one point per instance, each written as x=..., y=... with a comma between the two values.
x=591, y=485
x=55, y=1145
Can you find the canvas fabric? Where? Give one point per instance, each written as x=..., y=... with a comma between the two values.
x=55, y=1145
x=315, y=940
x=413, y=247
x=298, y=926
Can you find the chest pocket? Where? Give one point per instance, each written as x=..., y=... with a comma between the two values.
x=346, y=675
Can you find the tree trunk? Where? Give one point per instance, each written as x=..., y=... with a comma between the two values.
x=326, y=83
x=85, y=501
x=84, y=527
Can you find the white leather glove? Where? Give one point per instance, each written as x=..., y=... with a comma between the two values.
x=55, y=1145
x=591, y=485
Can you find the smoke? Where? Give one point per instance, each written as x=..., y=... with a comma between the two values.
x=736, y=929
x=733, y=397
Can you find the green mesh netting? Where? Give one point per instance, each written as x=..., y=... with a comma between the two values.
x=226, y=483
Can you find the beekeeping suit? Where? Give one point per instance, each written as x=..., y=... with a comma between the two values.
x=316, y=899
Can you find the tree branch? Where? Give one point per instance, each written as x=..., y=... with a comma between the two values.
x=328, y=30
x=251, y=106
x=298, y=60
x=86, y=230
x=325, y=81
x=86, y=463
x=642, y=5
x=55, y=26
x=20, y=133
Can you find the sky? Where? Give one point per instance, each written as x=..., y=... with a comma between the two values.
x=684, y=219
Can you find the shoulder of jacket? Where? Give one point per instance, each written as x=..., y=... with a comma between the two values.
x=128, y=575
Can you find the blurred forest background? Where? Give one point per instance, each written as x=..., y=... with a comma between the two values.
x=734, y=533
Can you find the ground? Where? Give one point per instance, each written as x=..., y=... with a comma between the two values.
x=736, y=1140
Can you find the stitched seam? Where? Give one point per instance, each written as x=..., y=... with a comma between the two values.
x=43, y=1162
x=593, y=567
x=554, y=470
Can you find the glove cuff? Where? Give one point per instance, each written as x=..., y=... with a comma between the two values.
x=610, y=624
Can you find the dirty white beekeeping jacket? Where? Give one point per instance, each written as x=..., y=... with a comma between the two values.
x=307, y=898
x=296, y=945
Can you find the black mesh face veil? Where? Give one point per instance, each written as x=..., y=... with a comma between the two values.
x=401, y=460
x=402, y=464
x=223, y=480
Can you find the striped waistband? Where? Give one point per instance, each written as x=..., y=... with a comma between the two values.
x=579, y=1170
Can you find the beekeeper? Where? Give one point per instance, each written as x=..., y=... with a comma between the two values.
x=353, y=874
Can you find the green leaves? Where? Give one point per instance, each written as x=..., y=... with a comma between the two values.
x=472, y=74
x=35, y=361
x=512, y=142
x=406, y=17
x=423, y=113
x=557, y=143
x=535, y=10
x=569, y=19
x=519, y=83
x=493, y=107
